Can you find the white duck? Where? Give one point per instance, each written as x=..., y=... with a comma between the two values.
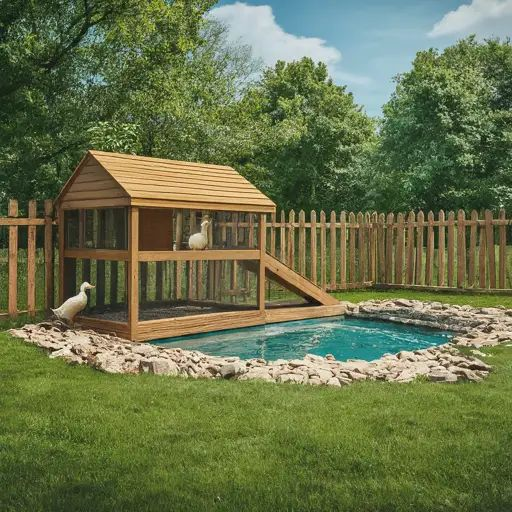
x=199, y=241
x=73, y=305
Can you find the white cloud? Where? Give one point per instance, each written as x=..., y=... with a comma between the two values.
x=482, y=17
x=256, y=26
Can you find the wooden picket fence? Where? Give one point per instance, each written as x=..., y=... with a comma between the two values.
x=28, y=255
x=349, y=250
x=337, y=251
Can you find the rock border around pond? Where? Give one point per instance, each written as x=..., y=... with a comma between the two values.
x=474, y=328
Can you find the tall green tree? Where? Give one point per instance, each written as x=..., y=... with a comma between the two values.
x=446, y=136
x=307, y=134
x=68, y=65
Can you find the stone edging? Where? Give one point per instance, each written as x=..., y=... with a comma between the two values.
x=475, y=327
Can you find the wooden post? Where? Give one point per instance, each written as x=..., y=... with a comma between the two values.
x=313, y=255
x=332, y=250
x=343, y=249
x=440, y=250
x=60, y=218
x=262, y=238
x=410, y=248
x=48, y=254
x=100, y=264
x=461, y=248
x=13, y=261
x=133, y=273
x=31, y=260
x=399, y=249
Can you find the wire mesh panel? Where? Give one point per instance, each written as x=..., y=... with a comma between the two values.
x=226, y=230
x=108, y=300
x=100, y=228
x=171, y=289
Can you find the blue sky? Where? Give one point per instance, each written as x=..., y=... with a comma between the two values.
x=365, y=43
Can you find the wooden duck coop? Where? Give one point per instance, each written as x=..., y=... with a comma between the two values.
x=124, y=225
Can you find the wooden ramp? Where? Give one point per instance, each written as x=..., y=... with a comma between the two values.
x=296, y=283
x=280, y=273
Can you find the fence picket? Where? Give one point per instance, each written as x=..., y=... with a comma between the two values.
x=313, y=256
x=429, y=258
x=323, y=275
x=343, y=249
x=31, y=260
x=451, y=247
x=361, y=249
x=373, y=246
x=291, y=239
x=389, y=247
x=332, y=249
x=410, y=248
x=482, y=245
x=302, y=242
x=13, y=261
x=273, y=234
x=381, y=248
x=461, y=248
x=420, y=226
x=489, y=231
x=352, y=247
x=472, y=248
x=441, y=250
x=282, y=238
x=399, y=249
x=503, y=249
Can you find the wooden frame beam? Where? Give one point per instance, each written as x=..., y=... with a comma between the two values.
x=133, y=272
x=208, y=255
x=97, y=254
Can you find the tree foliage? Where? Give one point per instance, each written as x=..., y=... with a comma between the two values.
x=446, y=136
x=309, y=135
x=66, y=65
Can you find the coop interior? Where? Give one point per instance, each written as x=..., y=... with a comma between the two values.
x=169, y=284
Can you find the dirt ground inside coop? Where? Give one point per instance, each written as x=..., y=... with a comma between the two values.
x=163, y=310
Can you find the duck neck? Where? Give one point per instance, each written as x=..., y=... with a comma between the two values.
x=204, y=230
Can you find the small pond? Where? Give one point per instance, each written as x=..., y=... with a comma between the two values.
x=345, y=338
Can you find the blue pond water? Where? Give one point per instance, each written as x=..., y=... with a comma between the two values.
x=343, y=337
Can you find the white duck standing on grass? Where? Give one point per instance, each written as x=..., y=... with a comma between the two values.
x=73, y=305
x=199, y=241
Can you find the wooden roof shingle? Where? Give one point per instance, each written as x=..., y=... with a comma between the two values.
x=157, y=182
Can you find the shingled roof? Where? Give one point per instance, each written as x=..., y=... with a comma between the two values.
x=154, y=182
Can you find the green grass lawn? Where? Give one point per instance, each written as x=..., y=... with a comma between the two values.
x=72, y=438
